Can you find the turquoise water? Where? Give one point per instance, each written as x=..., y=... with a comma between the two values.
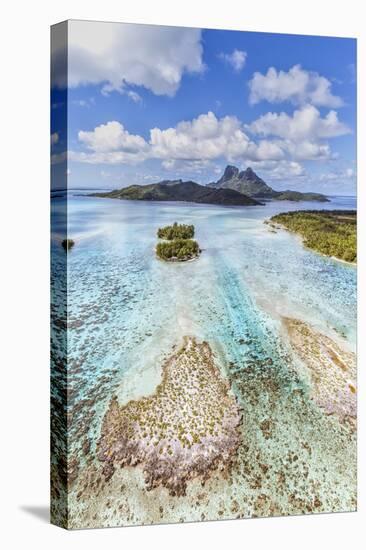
x=126, y=309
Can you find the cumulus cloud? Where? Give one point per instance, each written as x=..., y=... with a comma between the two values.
x=118, y=55
x=304, y=123
x=308, y=150
x=339, y=176
x=236, y=59
x=185, y=166
x=205, y=137
x=280, y=170
x=193, y=142
x=302, y=134
x=112, y=137
x=297, y=86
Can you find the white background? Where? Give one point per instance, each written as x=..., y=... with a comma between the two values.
x=24, y=216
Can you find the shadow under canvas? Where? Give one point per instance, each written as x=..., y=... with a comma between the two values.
x=40, y=512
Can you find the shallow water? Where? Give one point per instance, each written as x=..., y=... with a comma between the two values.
x=126, y=311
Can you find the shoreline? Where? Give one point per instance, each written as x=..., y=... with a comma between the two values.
x=176, y=260
x=279, y=226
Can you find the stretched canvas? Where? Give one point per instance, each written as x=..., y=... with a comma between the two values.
x=203, y=312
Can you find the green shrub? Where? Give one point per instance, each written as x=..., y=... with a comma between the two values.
x=175, y=231
x=332, y=232
x=180, y=249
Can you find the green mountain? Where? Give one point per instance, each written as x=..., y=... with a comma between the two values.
x=178, y=190
x=248, y=183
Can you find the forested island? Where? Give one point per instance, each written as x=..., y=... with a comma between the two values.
x=178, y=245
x=179, y=190
x=175, y=231
x=67, y=244
x=330, y=232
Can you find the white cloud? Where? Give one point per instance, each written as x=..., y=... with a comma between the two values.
x=236, y=59
x=192, y=143
x=297, y=86
x=281, y=170
x=54, y=138
x=308, y=150
x=89, y=102
x=301, y=134
x=183, y=166
x=117, y=55
x=269, y=150
x=207, y=138
x=339, y=176
x=115, y=157
x=136, y=98
x=305, y=123
x=112, y=137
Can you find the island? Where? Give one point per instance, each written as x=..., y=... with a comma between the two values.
x=176, y=231
x=179, y=250
x=250, y=184
x=178, y=245
x=330, y=232
x=67, y=244
x=178, y=190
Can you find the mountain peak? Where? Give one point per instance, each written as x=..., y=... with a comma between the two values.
x=230, y=172
x=248, y=174
x=246, y=182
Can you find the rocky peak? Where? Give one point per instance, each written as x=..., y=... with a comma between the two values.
x=248, y=174
x=230, y=172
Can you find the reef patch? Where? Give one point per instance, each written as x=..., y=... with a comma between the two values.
x=186, y=429
x=332, y=370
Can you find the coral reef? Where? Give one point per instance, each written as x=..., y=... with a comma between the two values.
x=332, y=370
x=185, y=429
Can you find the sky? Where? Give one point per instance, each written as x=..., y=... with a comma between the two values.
x=146, y=103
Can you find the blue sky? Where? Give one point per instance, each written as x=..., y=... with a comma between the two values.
x=147, y=103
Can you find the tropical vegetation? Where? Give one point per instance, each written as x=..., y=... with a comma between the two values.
x=178, y=245
x=330, y=232
x=178, y=249
x=175, y=231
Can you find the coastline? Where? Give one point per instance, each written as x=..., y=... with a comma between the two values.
x=278, y=226
x=176, y=260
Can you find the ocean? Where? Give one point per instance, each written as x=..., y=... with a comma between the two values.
x=127, y=311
